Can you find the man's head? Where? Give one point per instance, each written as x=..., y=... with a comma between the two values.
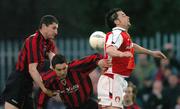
x=117, y=18
x=60, y=66
x=48, y=26
x=130, y=93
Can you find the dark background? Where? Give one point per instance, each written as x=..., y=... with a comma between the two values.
x=79, y=18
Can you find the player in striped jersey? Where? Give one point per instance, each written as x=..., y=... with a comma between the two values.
x=73, y=81
x=36, y=49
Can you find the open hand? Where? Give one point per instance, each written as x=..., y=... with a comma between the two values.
x=158, y=54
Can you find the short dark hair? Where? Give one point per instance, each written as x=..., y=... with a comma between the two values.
x=47, y=20
x=111, y=16
x=58, y=59
x=134, y=90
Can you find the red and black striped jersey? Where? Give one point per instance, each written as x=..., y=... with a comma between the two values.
x=77, y=87
x=133, y=106
x=34, y=50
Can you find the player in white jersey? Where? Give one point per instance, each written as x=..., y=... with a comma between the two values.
x=120, y=49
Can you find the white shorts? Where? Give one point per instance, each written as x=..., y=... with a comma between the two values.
x=111, y=90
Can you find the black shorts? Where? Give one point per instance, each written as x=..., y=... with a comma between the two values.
x=18, y=90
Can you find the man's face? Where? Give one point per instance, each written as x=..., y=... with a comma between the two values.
x=123, y=20
x=51, y=30
x=61, y=70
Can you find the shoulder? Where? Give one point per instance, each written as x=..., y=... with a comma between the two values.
x=108, y=33
x=125, y=34
x=136, y=106
x=48, y=75
x=31, y=37
x=117, y=33
x=71, y=64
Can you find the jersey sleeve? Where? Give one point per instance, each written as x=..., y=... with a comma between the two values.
x=114, y=39
x=86, y=64
x=33, y=53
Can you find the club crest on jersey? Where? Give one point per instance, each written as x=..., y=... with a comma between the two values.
x=72, y=89
x=117, y=99
x=63, y=82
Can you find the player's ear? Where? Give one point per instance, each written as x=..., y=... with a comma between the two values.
x=44, y=25
x=116, y=21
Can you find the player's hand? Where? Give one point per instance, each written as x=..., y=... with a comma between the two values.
x=104, y=63
x=57, y=98
x=50, y=93
x=158, y=54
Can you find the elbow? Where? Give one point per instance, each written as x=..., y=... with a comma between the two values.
x=108, y=51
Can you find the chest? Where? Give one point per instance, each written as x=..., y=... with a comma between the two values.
x=44, y=48
x=73, y=83
x=127, y=42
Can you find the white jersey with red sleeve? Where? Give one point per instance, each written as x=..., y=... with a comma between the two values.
x=112, y=84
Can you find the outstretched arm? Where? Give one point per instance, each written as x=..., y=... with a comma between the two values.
x=88, y=63
x=156, y=54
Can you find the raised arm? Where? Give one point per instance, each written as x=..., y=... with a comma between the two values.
x=156, y=54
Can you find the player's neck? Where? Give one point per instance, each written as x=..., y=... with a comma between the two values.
x=128, y=103
x=121, y=26
x=43, y=33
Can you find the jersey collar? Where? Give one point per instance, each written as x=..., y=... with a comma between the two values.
x=119, y=28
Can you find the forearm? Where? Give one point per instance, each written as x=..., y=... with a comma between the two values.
x=113, y=52
x=86, y=64
x=139, y=49
x=36, y=76
x=156, y=54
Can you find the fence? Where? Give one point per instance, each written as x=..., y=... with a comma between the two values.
x=75, y=48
